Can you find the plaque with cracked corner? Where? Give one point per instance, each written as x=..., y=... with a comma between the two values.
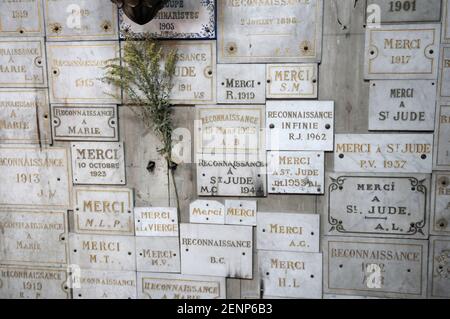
x=442, y=138
x=35, y=238
x=377, y=205
x=85, y=123
x=98, y=163
x=374, y=267
x=291, y=81
x=22, y=62
x=156, y=221
x=22, y=18
x=292, y=28
x=300, y=125
x=103, y=252
x=383, y=153
x=402, y=52
x=407, y=11
x=290, y=274
x=35, y=178
x=207, y=212
x=154, y=286
x=439, y=268
x=24, y=116
x=103, y=210
x=295, y=172
x=217, y=250
x=288, y=232
x=158, y=254
x=240, y=212
x=440, y=203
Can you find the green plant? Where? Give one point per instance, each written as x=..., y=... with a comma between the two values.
x=145, y=75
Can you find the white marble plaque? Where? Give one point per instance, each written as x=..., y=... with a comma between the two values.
x=187, y=19
x=440, y=204
x=446, y=22
x=35, y=178
x=98, y=163
x=444, y=77
x=22, y=62
x=402, y=105
x=229, y=175
x=98, y=284
x=384, y=153
x=290, y=274
x=281, y=31
x=156, y=221
x=22, y=18
x=234, y=129
x=34, y=238
x=241, y=83
x=408, y=11
x=374, y=205
x=76, y=69
x=24, y=116
x=84, y=123
x=69, y=20
x=439, y=268
x=388, y=268
x=442, y=138
x=103, y=252
x=207, y=212
x=295, y=172
x=103, y=210
x=240, y=212
x=158, y=254
x=291, y=81
x=402, y=52
x=300, y=125
x=217, y=250
x=33, y=283
x=288, y=232
x=177, y=286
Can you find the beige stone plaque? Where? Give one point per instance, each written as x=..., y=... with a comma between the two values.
x=22, y=18
x=158, y=254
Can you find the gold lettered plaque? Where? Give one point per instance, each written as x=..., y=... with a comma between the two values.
x=21, y=18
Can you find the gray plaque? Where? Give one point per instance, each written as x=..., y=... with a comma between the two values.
x=402, y=52
x=84, y=123
x=442, y=138
x=98, y=284
x=222, y=175
x=402, y=105
x=240, y=212
x=35, y=178
x=408, y=10
x=446, y=22
x=33, y=283
x=69, y=20
x=392, y=268
x=98, y=163
x=241, y=83
x=440, y=204
x=282, y=31
x=300, y=125
x=34, y=238
x=290, y=275
x=383, y=153
x=288, y=232
x=439, y=268
x=24, y=116
x=75, y=71
x=217, y=250
x=230, y=129
x=103, y=252
x=22, y=18
x=103, y=210
x=444, y=77
x=22, y=62
x=295, y=172
x=207, y=212
x=156, y=221
x=158, y=254
x=176, y=286
x=291, y=81
x=373, y=205
x=187, y=19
